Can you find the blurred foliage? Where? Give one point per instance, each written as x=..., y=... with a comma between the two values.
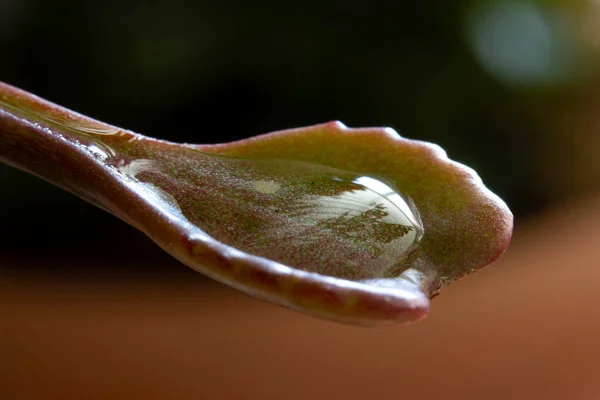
x=493, y=82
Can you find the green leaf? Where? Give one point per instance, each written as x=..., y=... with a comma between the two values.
x=354, y=225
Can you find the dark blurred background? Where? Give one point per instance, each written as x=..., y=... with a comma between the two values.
x=510, y=88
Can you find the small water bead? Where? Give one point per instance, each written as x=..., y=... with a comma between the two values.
x=306, y=216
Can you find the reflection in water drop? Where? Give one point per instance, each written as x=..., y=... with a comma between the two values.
x=306, y=216
x=135, y=167
x=98, y=152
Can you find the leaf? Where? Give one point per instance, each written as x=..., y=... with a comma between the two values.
x=354, y=225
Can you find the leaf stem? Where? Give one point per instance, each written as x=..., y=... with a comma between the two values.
x=49, y=141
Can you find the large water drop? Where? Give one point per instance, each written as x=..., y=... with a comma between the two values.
x=303, y=215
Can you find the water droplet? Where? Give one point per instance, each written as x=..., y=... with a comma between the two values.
x=305, y=216
x=266, y=187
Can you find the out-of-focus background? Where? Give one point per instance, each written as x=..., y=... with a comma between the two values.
x=90, y=308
